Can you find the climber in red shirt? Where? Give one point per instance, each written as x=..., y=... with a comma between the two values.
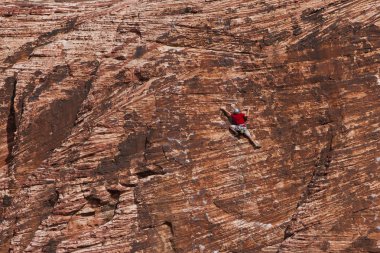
x=238, y=126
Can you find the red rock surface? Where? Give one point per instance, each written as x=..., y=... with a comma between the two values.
x=112, y=139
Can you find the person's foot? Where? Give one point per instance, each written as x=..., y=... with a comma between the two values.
x=256, y=144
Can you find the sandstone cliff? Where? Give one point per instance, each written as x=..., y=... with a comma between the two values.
x=112, y=139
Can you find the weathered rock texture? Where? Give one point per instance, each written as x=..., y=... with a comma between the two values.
x=112, y=139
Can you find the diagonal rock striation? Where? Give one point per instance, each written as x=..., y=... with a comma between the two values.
x=112, y=139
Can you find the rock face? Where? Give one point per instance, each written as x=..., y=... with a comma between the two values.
x=112, y=139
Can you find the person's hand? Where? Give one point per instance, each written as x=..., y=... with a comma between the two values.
x=246, y=111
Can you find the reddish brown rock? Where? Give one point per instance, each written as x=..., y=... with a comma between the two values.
x=112, y=139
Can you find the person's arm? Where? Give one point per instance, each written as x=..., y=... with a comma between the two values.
x=225, y=112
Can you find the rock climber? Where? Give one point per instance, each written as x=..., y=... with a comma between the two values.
x=238, y=124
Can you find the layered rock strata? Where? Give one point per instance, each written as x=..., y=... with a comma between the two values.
x=112, y=139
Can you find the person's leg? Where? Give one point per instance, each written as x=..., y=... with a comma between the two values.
x=251, y=138
x=234, y=130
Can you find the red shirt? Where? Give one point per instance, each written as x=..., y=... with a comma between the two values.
x=238, y=118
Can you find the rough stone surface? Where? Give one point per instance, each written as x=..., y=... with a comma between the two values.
x=111, y=138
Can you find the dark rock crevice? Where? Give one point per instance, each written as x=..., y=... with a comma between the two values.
x=171, y=239
x=147, y=173
x=115, y=194
x=316, y=184
x=128, y=185
x=59, y=126
x=11, y=82
x=51, y=246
